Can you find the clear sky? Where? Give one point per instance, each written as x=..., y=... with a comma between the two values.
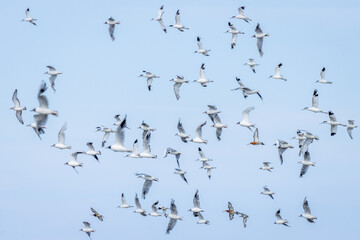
x=41, y=198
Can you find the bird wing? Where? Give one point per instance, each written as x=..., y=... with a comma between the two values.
x=173, y=208
x=119, y=135
x=177, y=17
x=90, y=146
x=202, y=155
x=233, y=38
x=177, y=90
x=349, y=130
x=230, y=206
x=111, y=31
x=162, y=25
x=94, y=211
x=198, y=131
x=259, y=44
x=304, y=169
x=196, y=200
x=277, y=69
x=149, y=82
x=277, y=215
x=199, y=43
x=137, y=202
x=240, y=83
x=333, y=129
x=281, y=151
x=332, y=116
x=241, y=10
x=135, y=147
x=245, y=114
x=306, y=206
x=146, y=143
x=231, y=26
x=160, y=12
x=171, y=225
x=52, y=82
x=146, y=187
x=153, y=207
x=258, y=29
x=123, y=200
x=15, y=99
x=51, y=68
x=61, y=134
x=202, y=72
x=40, y=119
x=27, y=12
x=43, y=101
x=322, y=73
x=217, y=118
x=19, y=116
x=105, y=138
x=315, y=99
x=256, y=135
x=218, y=133
x=180, y=127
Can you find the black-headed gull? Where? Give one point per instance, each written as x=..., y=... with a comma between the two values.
x=178, y=25
x=173, y=217
x=43, y=102
x=134, y=153
x=154, y=209
x=333, y=123
x=208, y=168
x=28, y=18
x=202, y=80
x=181, y=173
x=179, y=80
x=267, y=192
x=120, y=138
x=266, y=166
x=212, y=111
x=196, y=202
x=198, y=135
x=146, y=153
x=307, y=215
x=322, y=80
x=39, y=124
x=279, y=219
x=350, y=126
x=159, y=18
x=107, y=132
x=53, y=75
x=245, y=122
x=61, y=139
x=260, y=38
x=73, y=162
x=252, y=64
x=201, y=50
x=87, y=229
x=181, y=132
x=202, y=220
x=306, y=163
x=17, y=108
x=241, y=15
x=282, y=146
x=124, y=203
x=111, y=22
x=245, y=90
x=277, y=74
x=138, y=207
x=149, y=76
x=202, y=156
x=315, y=104
x=147, y=184
x=218, y=125
x=234, y=33
x=172, y=151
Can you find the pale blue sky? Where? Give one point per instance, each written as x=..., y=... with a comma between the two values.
x=44, y=199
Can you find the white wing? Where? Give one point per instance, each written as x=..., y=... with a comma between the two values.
x=137, y=202
x=52, y=82
x=245, y=114
x=202, y=155
x=199, y=43
x=202, y=72
x=256, y=135
x=259, y=44
x=135, y=147
x=61, y=134
x=196, y=200
x=180, y=127
x=146, y=187
x=177, y=17
x=15, y=99
x=233, y=39
x=176, y=90
x=27, y=13
x=146, y=143
x=119, y=136
x=123, y=200
x=19, y=116
x=171, y=225
x=198, y=131
x=306, y=206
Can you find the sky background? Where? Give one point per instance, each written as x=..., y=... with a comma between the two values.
x=44, y=199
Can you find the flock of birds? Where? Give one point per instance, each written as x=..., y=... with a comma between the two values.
x=303, y=137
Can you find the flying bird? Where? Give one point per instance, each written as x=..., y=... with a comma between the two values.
x=134, y=153
x=309, y=138
x=154, y=209
x=173, y=217
x=181, y=132
x=231, y=211
x=279, y=220
x=306, y=163
x=87, y=229
x=73, y=162
x=267, y=192
x=241, y=15
x=307, y=215
x=53, y=75
x=28, y=18
x=198, y=134
x=315, y=104
x=178, y=25
x=120, y=138
x=98, y=215
x=245, y=90
x=17, y=108
x=202, y=156
x=196, y=202
x=179, y=80
x=147, y=184
x=138, y=206
x=202, y=80
x=245, y=122
x=44, y=103
x=111, y=22
x=181, y=174
x=350, y=126
x=300, y=137
x=252, y=64
x=333, y=123
x=172, y=151
x=61, y=139
x=282, y=146
x=260, y=38
x=266, y=166
x=149, y=78
x=256, y=138
x=146, y=128
x=124, y=203
x=92, y=151
x=322, y=80
x=245, y=218
x=107, y=132
x=146, y=153
x=201, y=48
x=159, y=18
x=234, y=33
x=218, y=125
x=202, y=220
x=208, y=168
x=39, y=124
x=211, y=112
x=277, y=74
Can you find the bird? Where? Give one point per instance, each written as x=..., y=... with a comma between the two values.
x=202, y=156
x=146, y=153
x=138, y=206
x=147, y=184
x=245, y=217
x=309, y=138
x=252, y=64
x=178, y=25
x=181, y=132
x=61, y=139
x=92, y=151
x=315, y=103
x=245, y=90
x=39, y=124
x=202, y=80
x=231, y=211
x=234, y=33
x=173, y=217
x=17, y=108
x=164, y=209
x=196, y=202
x=172, y=151
x=119, y=139
x=87, y=229
x=154, y=209
x=211, y=112
x=124, y=203
x=322, y=80
x=73, y=162
x=307, y=215
x=306, y=163
x=159, y=18
x=111, y=22
x=256, y=138
x=43, y=102
x=198, y=135
x=53, y=75
x=245, y=122
x=241, y=15
x=208, y=168
x=279, y=220
x=134, y=153
x=149, y=78
x=267, y=192
x=300, y=137
x=28, y=18
x=146, y=128
x=333, y=123
x=118, y=120
x=266, y=166
x=260, y=38
x=201, y=48
x=202, y=220
x=282, y=146
x=107, y=132
x=218, y=125
x=350, y=126
x=181, y=174
x=277, y=74
x=96, y=214
x=179, y=80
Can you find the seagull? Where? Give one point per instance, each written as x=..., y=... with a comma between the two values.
x=279, y=220
x=61, y=139
x=322, y=80
x=300, y=137
x=181, y=132
x=173, y=152
x=231, y=211
x=146, y=153
x=138, y=206
x=178, y=25
x=267, y=192
x=107, y=132
x=147, y=184
x=28, y=18
x=350, y=126
x=181, y=173
x=218, y=125
x=53, y=75
x=202, y=156
x=260, y=38
x=241, y=15
x=159, y=18
x=163, y=208
x=173, y=216
x=282, y=146
x=277, y=74
x=134, y=153
x=92, y=151
x=119, y=139
x=266, y=166
x=111, y=22
x=198, y=134
x=245, y=122
x=149, y=76
x=245, y=217
x=333, y=123
x=245, y=90
x=202, y=80
x=87, y=229
x=201, y=48
x=211, y=112
x=234, y=33
x=256, y=138
x=208, y=168
x=306, y=163
x=252, y=64
x=179, y=80
x=315, y=104
x=17, y=108
x=96, y=214
x=146, y=128
x=307, y=215
x=73, y=162
x=196, y=209
x=44, y=103
x=123, y=202
x=39, y=124
x=202, y=220
x=154, y=209
x=309, y=138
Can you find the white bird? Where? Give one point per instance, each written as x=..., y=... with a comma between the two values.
x=124, y=203
x=138, y=206
x=267, y=192
x=179, y=80
x=119, y=138
x=266, y=166
x=53, y=75
x=282, y=146
x=163, y=208
x=307, y=215
x=178, y=25
x=181, y=132
x=154, y=209
x=201, y=48
x=260, y=38
x=350, y=126
x=306, y=163
x=202, y=156
x=277, y=74
x=174, y=152
x=92, y=151
x=146, y=128
x=134, y=153
x=146, y=153
x=322, y=80
x=234, y=33
x=208, y=168
x=181, y=174
x=212, y=111
x=111, y=22
x=61, y=139
x=202, y=80
x=245, y=122
x=315, y=104
x=196, y=202
x=279, y=219
x=309, y=138
x=241, y=15
x=28, y=18
x=218, y=125
x=252, y=64
x=44, y=103
x=149, y=78
x=17, y=108
x=87, y=229
x=147, y=184
x=107, y=132
x=245, y=90
x=202, y=220
x=73, y=162
x=159, y=18
x=300, y=137
x=198, y=134
x=333, y=123
x=173, y=216
x=39, y=124
x=256, y=138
